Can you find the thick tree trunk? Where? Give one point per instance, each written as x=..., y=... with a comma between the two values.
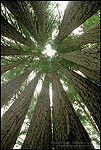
x=93, y=75
x=9, y=31
x=5, y=68
x=89, y=58
x=92, y=35
x=10, y=88
x=13, y=119
x=20, y=11
x=39, y=10
x=68, y=132
x=7, y=51
x=89, y=92
x=39, y=132
x=76, y=13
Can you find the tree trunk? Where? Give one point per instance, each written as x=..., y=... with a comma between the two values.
x=92, y=35
x=7, y=51
x=39, y=132
x=10, y=88
x=76, y=13
x=93, y=75
x=9, y=31
x=13, y=119
x=89, y=92
x=20, y=11
x=89, y=58
x=5, y=68
x=39, y=10
x=68, y=132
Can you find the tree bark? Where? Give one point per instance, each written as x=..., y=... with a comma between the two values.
x=20, y=11
x=10, y=88
x=93, y=75
x=7, y=51
x=89, y=58
x=92, y=35
x=5, y=68
x=76, y=13
x=39, y=132
x=39, y=10
x=68, y=132
x=9, y=31
x=88, y=91
x=13, y=119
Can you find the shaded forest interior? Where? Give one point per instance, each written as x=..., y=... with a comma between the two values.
x=50, y=101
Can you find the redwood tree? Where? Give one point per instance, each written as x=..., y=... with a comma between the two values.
x=39, y=132
x=7, y=51
x=89, y=58
x=5, y=68
x=88, y=91
x=92, y=35
x=93, y=75
x=20, y=11
x=13, y=119
x=76, y=13
x=68, y=132
x=9, y=31
x=10, y=88
x=39, y=10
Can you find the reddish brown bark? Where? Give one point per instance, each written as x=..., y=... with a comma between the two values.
x=5, y=68
x=68, y=132
x=9, y=31
x=76, y=13
x=7, y=51
x=14, y=117
x=88, y=91
x=92, y=35
x=10, y=88
x=89, y=58
x=39, y=10
x=39, y=132
x=20, y=11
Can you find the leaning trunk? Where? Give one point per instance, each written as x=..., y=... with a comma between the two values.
x=39, y=132
x=10, y=88
x=5, y=68
x=89, y=58
x=9, y=31
x=39, y=10
x=20, y=11
x=13, y=119
x=68, y=132
x=76, y=13
x=10, y=51
x=89, y=92
x=93, y=75
x=92, y=35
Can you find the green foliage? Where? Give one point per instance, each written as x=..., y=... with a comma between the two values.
x=91, y=21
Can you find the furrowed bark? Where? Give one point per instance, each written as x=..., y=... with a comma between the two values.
x=68, y=132
x=39, y=10
x=9, y=31
x=76, y=13
x=10, y=88
x=20, y=11
x=5, y=68
x=92, y=35
x=13, y=119
x=93, y=75
x=7, y=51
x=39, y=132
x=88, y=91
x=89, y=58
